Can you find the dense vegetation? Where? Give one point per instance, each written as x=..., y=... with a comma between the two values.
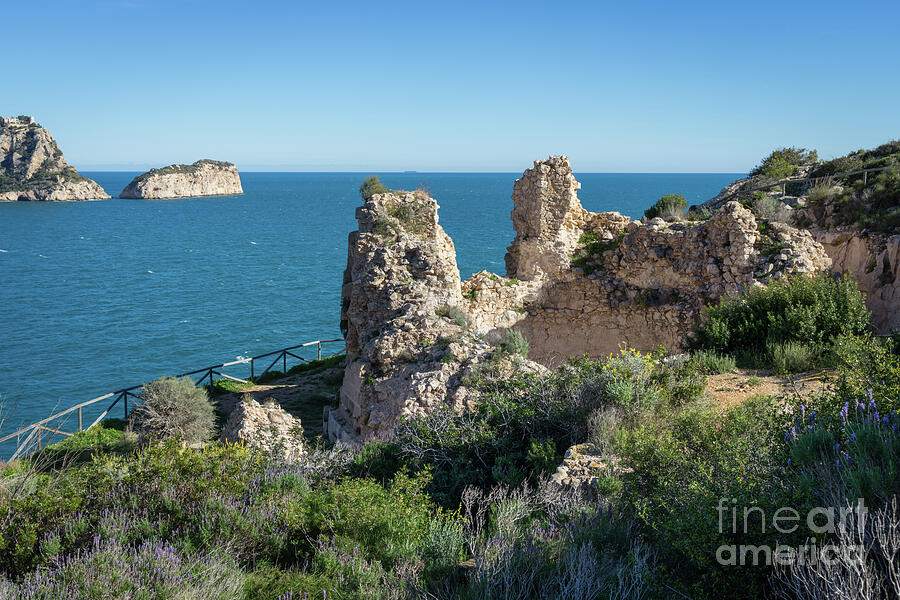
x=792, y=324
x=458, y=504
x=668, y=207
x=784, y=162
x=871, y=200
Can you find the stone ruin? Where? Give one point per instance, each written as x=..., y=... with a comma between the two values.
x=577, y=283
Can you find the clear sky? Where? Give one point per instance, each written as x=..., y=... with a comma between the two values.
x=452, y=86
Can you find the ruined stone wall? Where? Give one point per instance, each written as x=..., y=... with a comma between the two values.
x=577, y=283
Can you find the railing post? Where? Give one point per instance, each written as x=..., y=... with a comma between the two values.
x=79, y=418
x=125, y=404
x=284, y=361
x=319, y=350
x=251, y=369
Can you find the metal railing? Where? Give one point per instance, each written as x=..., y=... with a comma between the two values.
x=35, y=430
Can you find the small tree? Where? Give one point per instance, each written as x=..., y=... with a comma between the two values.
x=175, y=408
x=372, y=186
x=667, y=207
x=784, y=162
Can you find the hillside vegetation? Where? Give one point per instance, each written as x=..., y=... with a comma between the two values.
x=460, y=505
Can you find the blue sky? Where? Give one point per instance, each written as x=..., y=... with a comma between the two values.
x=461, y=86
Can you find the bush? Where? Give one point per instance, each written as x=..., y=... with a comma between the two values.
x=174, y=407
x=712, y=362
x=681, y=464
x=372, y=186
x=813, y=311
x=792, y=357
x=514, y=343
x=784, y=163
x=111, y=570
x=667, y=207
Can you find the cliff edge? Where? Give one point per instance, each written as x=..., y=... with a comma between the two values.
x=32, y=167
x=202, y=178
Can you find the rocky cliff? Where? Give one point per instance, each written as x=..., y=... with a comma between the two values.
x=202, y=178
x=32, y=166
x=577, y=282
x=410, y=346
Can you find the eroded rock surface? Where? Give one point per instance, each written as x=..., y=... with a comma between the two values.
x=32, y=166
x=410, y=344
x=577, y=283
x=202, y=178
x=266, y=427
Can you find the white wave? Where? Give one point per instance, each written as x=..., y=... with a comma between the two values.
x=1, y=250
x=42, y=256
x=254, y=243
x=149, y=271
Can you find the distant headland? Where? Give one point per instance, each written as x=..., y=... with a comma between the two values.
x=32, y=166
x=203, y=178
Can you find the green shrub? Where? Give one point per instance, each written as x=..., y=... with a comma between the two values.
x=868, y=365
x=792, y=357
x=712, y=362
x=174, y=407
x=514, y=343
x=681, y=464
x=268, y=582
x=370, y=187
x=784, y=162
x=812, y=311
x=667, y=207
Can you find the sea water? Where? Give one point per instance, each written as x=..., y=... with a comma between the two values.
x=98, y=296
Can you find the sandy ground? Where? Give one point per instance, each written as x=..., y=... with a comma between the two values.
x=735, y=387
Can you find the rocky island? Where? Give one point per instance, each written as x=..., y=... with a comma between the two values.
x=32, y=166
x=202, y=178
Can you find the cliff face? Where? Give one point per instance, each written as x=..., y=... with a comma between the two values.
x=33, y=168
x=410, y=345
x=202, y=178
x=577, y=282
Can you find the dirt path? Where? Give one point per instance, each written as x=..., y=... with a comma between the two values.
x=735, y=387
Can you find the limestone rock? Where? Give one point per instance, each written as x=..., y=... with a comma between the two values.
x=577, y=283
x=33, y=168
x=267, y=427
x=548, y=219
x=202, y=178
x=582, y=465
x=410, y=343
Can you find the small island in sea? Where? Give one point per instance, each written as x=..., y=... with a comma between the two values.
x=203, y=178
x=32, y=167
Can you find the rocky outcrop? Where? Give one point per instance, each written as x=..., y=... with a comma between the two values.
x=410, y=345
x=629, y=281
x=266, y=427
x=202, y=178
x=32, y=166
x=577, y=283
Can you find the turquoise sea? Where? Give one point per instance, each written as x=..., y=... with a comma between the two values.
x=97, y=296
